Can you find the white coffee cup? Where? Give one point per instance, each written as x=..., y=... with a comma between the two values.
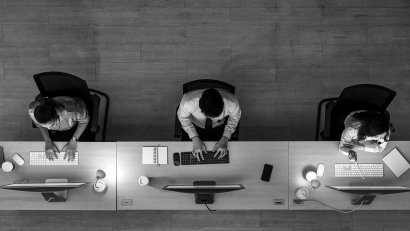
x=7, y=166
x=100, y=186
x=143, y=180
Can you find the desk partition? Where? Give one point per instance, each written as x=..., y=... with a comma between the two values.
x=246, y=164
x=303, y=155
x=92, y=156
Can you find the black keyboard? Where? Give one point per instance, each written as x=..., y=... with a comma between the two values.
x=188, y=159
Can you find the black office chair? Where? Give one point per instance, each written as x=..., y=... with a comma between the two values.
x=52, y=84
x=202, y=84
x=357, y=97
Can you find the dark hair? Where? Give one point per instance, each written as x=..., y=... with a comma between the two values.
x=372, y=124
x=46, y=110
x=211, y=103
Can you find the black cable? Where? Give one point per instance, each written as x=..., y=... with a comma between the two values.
x=336, y=209
x=212, y=210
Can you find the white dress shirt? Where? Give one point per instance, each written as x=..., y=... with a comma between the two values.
x=189, y=113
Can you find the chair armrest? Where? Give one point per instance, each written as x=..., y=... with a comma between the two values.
x=96, y=111
x=178, y=127
x=319, y=112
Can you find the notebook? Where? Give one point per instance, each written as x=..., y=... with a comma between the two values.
x=155, y=155
x=396, y=162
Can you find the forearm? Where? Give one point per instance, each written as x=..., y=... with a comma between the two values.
x=344, y=148
x=230, y=127
x=44, y=133
x=80, y=129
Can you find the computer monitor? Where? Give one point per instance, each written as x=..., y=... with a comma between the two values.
x=366, y=191
x=204, y=190
x=48, y=190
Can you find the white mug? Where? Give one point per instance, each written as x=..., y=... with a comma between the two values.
x=7, y=166
x=100, y=186
x=143, y=180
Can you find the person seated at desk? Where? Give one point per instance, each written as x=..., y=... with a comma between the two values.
x=203, y=113
x=367, y=131
x=59, y=114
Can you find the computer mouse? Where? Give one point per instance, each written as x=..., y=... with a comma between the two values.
x=18, y=159
x=320, y=169
x=177, y=159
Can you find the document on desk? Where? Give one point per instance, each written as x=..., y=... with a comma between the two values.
x=155, y=155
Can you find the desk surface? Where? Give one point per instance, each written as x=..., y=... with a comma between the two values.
x=93, y=156
x=303, y=155
x=246, y=163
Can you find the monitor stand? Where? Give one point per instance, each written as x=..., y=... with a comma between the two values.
x=55, y=196
x=204, y=198
x=363, y=199
x=358, y=199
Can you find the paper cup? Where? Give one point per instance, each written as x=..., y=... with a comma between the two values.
x=7, y=166
x=100, y=186
x=302, y=193
x=143, y=180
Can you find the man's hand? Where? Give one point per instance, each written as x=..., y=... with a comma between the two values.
x=352, y=155
x=70, y=148
x=221, y=147
x=51, y=150
x=198, y=148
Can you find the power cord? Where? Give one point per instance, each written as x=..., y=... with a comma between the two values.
x=336, y=209
x=212, y=210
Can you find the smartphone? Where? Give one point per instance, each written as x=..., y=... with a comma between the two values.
x=267, y=172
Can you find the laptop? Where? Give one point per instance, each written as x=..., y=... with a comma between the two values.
x=396, y=162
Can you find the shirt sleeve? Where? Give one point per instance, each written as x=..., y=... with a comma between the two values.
x=31, y=108
x=184, y=112
x=234, y=117
x=80, y=112
x=347, y=140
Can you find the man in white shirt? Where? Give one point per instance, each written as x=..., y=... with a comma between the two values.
x=202, y=114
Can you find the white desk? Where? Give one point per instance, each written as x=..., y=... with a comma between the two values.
x=246, y=163
x=304, y=154
x=93, y=156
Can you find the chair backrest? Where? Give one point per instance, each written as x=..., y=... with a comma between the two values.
x=207, y=83
x=368, y=94
x=358, y=97
x=51, y=84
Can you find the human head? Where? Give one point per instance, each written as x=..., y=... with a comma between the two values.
x=211, y=103
x=373, y=124
x=45, y=113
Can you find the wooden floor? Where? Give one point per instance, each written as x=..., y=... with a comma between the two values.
x=282, y=55
x=204, y=221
